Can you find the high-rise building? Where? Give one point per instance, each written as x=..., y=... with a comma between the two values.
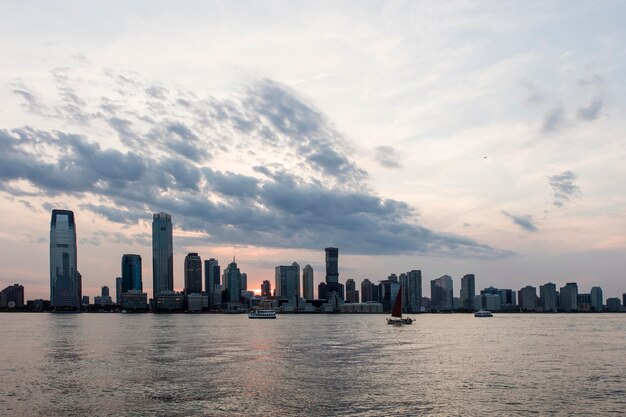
x=212, y=281
x=441, y=294
x=352, y=294
x=388, y=292
x=613, y=304
x=266, y=289
x=104, y=299
x=568, y=297
x=411, y=283
x=118, y=289
x=65, y=288
x=597, y=300
x=528, y=298
x=547, y=297
x=287, y=281
x=12, y=297
x=162, y=254
x=332, y=265
x=193, y=274
x=132, y=278
x=104, y=291
x=468, y=292
x=583, y=302
x=307, y=283
x=367, y=291
x=244, y=281
x=232, y=282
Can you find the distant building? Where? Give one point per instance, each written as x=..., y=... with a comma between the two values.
x=232, y=282
x=441, y=294
x=169, y=301
x=507, y=300
x=321, y=291
x=266, y=289
x=193, y=273
x=584, y=302
x=352, y=294
x=134, y=300
x=613, y=304
x=393, y=277
x=411, y=283
x=367, y=291
x=244, y=281
x=287, y=281
x=388, y=292
x=196, y=302
x=118, y=290
x=132, y=277
x=468, y=291
x=104, y=299
x=547, y=297
x=162, y=254
x=307, y=283
x=491, y=302
x=85, y=300
x=597, y=300
x=12, y=297
x=212, y=282
x=528, y=298
x=568, y=297
x=65, y=286
x=332, y=274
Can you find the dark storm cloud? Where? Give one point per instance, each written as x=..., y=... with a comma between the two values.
x=523, y=221
x=387, y=156
x=563, y=187
x=553, y=119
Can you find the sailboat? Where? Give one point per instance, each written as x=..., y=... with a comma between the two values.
x=396, y=312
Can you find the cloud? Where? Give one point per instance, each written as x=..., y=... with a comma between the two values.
x=388, y=156
x=553, y=120
x=563, y=187
x=304, y=190
x=592, y=111
x=523, y=221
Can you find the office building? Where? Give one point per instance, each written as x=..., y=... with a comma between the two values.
x=12, y=297
x=118, y=289
x=613, y=304
x=332, y=274
x=104, y=299
x=162, y=254
x=583, y=302
x=266, y=289
x=287, y=281
x=193, y=273
x=244, y=281
x=491, y=302
x=547, y=297
x=597, y=300
x=65, y=285
x=352, y=294
x=134, y=300
x=212, y=285
x=132, y=277
x=169, y=301
x=388, y=292
x=232, y=282
x=568, y=297
x=441, y=294
x=528, y=298
x=307, y=283
x=411, y=283
x=367, y=291
x=468, y=292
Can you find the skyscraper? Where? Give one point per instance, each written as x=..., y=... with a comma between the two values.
x=12, y=297
x=547, y=297
x=287, y=281
x=332, y=265
x=367, y=291
x=118, y=289
x=65, y=291
x=441, y=294
x=212, y=281
x=568, y=297
x=266, y=289
x=307, y=283
x=412, y=286
x=162, y=254
x=528, y=298
x=193, y=274
x=232, y=282
x=131, y=273
x=352, y=294
x=597, y=300
x=244, y=281
x=468, y=292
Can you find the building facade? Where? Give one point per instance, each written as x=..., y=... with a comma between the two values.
x=212, y=281
x=528, y=298
x=307, y=283
x=65, y=285
x=568, y=297
x=162, y=254
x=468, y=292
x=132, y=278
x=597, y=300
x=232, y=282
x=12, y=297
x=441, y=294
x=193, y=273
x=548, y=298
x=287, y=281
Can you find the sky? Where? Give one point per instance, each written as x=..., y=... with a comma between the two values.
x=451, y=137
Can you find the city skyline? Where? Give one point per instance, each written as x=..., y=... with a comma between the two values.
x=489, y=143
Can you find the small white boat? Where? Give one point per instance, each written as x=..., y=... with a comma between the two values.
x=262, y=314
x=483, y=313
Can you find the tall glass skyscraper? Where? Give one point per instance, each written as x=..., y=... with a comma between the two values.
x=287, y=281
x=307, y=283
x=232, y=282
x=193, y=274
x=162, y=254
x=332, y=265
x=468, y=292
x=131, y=273
x=64, y=281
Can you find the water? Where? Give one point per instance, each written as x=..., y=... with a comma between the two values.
x=348, y=365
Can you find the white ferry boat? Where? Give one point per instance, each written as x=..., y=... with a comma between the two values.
x=483, y=313
x=262, y=314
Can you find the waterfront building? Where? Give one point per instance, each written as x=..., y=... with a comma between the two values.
x=12, y=297
x=568, y=297
x=411, y=283
x=65, y=285
x=118, y=289
x=441, y=294
x=193, y=273
x=583, y=302
x=613, y=304
x=132, y=278
x=468, y=292
x=104, y=299
x=307, y=283
x=287, y=281
x=162, y=254
x=548, y=298
x=597, y=300
x=134, y=300
x=507, y=299
x=491, y=302
x=266, y=289
x=169, y=301
x=367, y=290
x=352, y=294
x=388, y=292
x=196, y=302
x=212, y=285
x=244, y=281
x=321, y=291
x=370, y=307
x=232, y=282
x=85, y=300
x=332, y=274
x=528, y=298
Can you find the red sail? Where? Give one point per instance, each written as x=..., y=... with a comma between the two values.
x=397, y=307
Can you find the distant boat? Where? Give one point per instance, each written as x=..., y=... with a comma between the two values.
x=483, y=313
x=262, y=314
x=396, y=314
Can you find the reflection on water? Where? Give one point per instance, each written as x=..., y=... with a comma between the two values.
x=179, y=365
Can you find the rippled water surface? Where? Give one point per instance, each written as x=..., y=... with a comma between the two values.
x=180, y=365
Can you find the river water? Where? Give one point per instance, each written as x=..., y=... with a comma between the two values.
x=320, y=365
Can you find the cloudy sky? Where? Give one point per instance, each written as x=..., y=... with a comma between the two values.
x=463, y=137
